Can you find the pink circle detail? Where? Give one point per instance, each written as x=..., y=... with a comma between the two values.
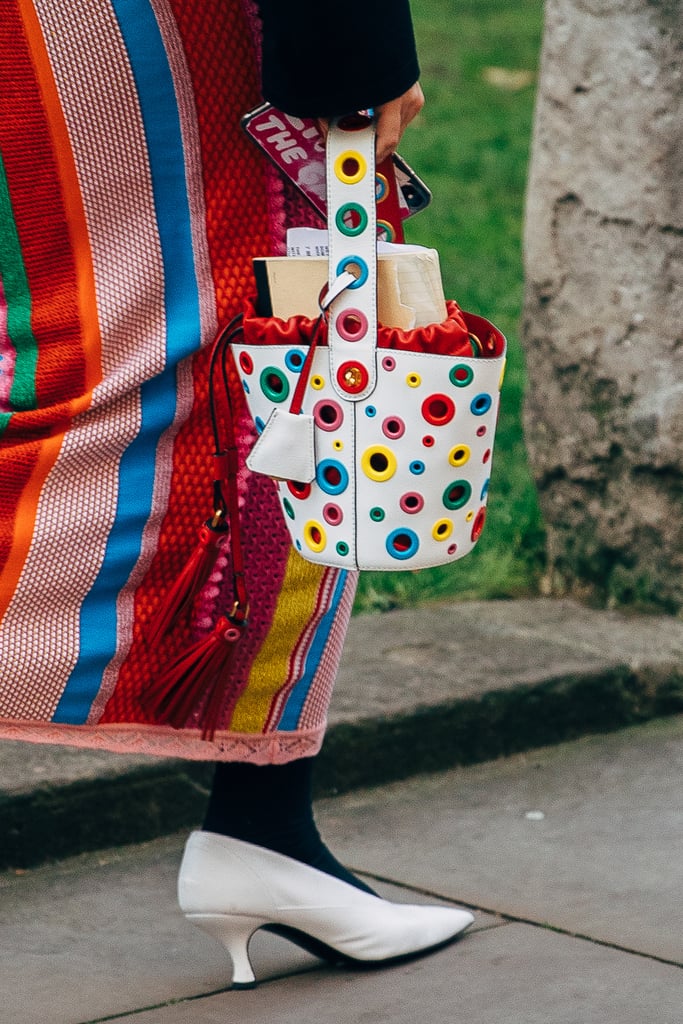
x=352, y=324
x=411, y=503
x=328, y=414
x=333, y=514
x=388, y=363
x=393, y=427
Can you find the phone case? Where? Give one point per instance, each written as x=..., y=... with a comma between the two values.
x=296, y=146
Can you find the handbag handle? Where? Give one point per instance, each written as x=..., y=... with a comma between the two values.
x=352, y=229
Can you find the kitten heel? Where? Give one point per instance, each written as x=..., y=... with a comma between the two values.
x=233, y=932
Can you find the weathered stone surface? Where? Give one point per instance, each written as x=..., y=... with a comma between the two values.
x=604, y=300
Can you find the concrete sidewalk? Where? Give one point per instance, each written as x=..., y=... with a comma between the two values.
x=571, y=857
x=419, y=690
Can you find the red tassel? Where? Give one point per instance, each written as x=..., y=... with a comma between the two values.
x=194, y=575
x=200, y=670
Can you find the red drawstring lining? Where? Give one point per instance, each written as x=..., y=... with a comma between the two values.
x=200, y=674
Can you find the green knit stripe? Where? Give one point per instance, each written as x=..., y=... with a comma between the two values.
x=18, y=296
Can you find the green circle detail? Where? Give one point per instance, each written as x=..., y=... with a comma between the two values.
x=287, y=505
x=377, y=514
x=274, y=384
x=461, y=375
x=457, y=494
x=342, y=548
x=343, y=227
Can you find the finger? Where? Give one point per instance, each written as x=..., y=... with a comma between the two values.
x=389, y=130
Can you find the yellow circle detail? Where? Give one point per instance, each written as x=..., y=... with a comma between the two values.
x=469, y=517
x=502, y=374
x=348, y=177
x=413, y=380
x=378, y=463
x=314, y=535
x=442, y=529
x=317, y=382
x=338, y=445
x=459, y=455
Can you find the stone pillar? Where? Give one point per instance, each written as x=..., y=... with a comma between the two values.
x=603, y=316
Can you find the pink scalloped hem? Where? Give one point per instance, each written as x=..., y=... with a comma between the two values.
x=268, y=748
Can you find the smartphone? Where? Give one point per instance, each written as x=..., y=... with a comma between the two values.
x=296, y=146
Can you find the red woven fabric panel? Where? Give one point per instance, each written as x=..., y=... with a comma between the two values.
x=222, y=64
x=37, y=207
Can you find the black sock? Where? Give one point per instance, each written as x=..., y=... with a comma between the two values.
x=271, y=806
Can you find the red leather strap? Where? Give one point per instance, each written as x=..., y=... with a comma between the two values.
x=226, y=463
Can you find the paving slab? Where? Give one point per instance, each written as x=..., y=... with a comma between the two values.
x=512, y=975
x=102, y=934
x=579, y=921
x=419, y=690
x=586, y=836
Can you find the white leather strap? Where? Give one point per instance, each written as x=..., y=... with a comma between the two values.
x=353, y=248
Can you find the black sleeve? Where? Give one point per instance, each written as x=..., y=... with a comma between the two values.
x=321, y=59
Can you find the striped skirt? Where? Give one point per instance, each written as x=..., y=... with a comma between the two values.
x=131, y=205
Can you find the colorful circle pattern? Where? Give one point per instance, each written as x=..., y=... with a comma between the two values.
x=437, y=430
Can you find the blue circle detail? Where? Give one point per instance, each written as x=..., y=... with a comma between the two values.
x=332, y=477
x=370, y=410
x=294, y=360
x=259, y=424
x=417, y=467
x=480, y=404
x=485, y=489
x=247, y=390
x=402, y=543
x=358, y=262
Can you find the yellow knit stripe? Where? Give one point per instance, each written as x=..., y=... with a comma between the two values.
x=296, y=604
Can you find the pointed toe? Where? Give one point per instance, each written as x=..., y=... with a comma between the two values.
x=231, y=889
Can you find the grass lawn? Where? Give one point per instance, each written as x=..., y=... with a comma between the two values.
x=479, y=60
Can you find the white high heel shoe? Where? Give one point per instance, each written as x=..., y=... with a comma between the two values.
x=231, y=889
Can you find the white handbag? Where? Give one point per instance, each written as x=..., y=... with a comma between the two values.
x=382, y=456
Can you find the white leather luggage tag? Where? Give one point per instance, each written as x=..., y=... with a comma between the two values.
x=285, y=450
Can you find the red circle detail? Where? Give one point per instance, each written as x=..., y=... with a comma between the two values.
x=246, y=363
x=352, y=387
x=481, y=431
x=428, y=441
x=300, y=491
x=438, y=409
x=487, y=455
x=478, y=524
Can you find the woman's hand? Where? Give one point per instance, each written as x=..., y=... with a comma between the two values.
x=392, y=119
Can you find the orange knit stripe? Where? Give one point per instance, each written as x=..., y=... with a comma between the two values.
x=51, y=312
x=65, y=296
